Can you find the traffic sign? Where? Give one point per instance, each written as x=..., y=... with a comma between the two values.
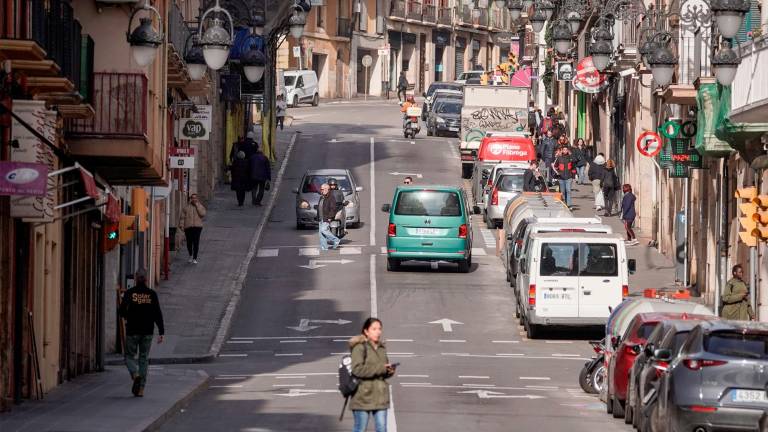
x=649, y=143
x=367, y=60
x=182, y=162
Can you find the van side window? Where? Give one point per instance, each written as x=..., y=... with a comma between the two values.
x=559, y=259
x=599, y=259
x=300, y=82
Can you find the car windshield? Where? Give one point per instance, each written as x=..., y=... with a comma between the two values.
x=428, y=203
x=680, y=338
x=289, y=80
x=594, y=259
x=510, y=183
x=434, y=87
x=312, y=183
x=737, y=344
x=448, y=108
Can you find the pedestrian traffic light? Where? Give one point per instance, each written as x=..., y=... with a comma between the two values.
x=139, y=206
x=748, y=210
x=110, y=236
x=760, y=217
x=126, y=228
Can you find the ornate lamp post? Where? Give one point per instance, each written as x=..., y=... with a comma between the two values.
x=144, y=39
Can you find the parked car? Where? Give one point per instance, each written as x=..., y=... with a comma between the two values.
x=429, y=223
x=308, y=196
x=473, y=76
x=484, y=177
x=445, y=118
x=718, y=380
x=301, y=86
x=506, y=187
x=433, y=89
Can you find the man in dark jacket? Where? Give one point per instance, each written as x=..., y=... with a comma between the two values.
x=141, y=311
x=533, y=180
x=241, y=177
x=548, y=144
x=261, y=174
x=326, y=212
x=402, y=86
x=564, y=168
x=247, y=146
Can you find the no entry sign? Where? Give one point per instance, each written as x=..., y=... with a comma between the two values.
x=649, y=143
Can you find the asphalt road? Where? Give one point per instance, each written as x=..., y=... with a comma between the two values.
x=277, y=371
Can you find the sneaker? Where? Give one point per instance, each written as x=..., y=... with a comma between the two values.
x=140, y=393
x=635, y=242
x=191, y=260
x=136, y=387
x=194, y=261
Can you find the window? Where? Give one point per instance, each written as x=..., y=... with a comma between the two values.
x=599, y=259
x=594, y=259
x=742, y=345
x=300, y=82
x=428, y=203
x=680, y=338
x=448, y=108
x=312, y=183
x=559, y=259
x=320, y=16
x=510, y=183
x=645, y=330
x=289, y=80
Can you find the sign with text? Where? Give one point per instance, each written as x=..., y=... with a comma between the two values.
x=198, y=125
x=182, y=162
x=182, y=151
x=23, y=178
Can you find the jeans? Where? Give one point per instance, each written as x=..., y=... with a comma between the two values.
x=548, y=169
x=257, y=193
x=280, y=121
x=193, y=240
x=565, y=190
x=324, y=229
x=582, y=173
x=361, y=420
x=138, y=344
x=610, y=200
x=401, y=94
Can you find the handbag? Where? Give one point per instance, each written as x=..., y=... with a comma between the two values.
x=267, y=185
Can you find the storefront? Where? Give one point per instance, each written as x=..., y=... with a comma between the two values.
x=441, y=39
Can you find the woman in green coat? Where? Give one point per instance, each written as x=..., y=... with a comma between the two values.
x=371, y=365
x=736, y=297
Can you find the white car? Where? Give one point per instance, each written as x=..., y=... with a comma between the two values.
x=301, y=86
x=466, y=76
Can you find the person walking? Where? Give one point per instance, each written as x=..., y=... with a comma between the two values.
x=580, y=160
x=595, y=174
x=326, y=212
x=735, y=297
x=628, y=213
x=247, y=146
x=261, y=175
x=141, y=310
x=371, y=366
x=402, y=86
x=241, y=177
x=280, y=109
x=533, y=180
x=548, y=145
x=191, y=222
x=609, y=185
x=564, y=169
x=341, y=213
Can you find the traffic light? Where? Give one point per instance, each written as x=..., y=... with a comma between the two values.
x=139, y=206
x=110, y=236
x=760, y=217
x=748, y=211
x=126, y=228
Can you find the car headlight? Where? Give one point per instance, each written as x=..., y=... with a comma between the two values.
x=440, y=119
x=350, y=204
x=303, y=204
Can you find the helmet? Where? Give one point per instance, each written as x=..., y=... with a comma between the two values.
x=332, y=182
x=409, y=98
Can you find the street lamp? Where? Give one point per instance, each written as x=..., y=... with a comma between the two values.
x=574, y=21
x=216, y=41
x=645, y=50
x=296, y=25
x=253, y=62
x=547, y=7
x=725, y=62
x=195, y=60
x=144, y=39
x=662, y=62
x=537, y=20
x=515, y=9
x=729, y=14
x=602, y=48
x=258, y=25
x=561, y=35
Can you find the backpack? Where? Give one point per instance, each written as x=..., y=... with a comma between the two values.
x=347, y=382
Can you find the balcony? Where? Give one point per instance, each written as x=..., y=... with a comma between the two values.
x=482, y=20
x=466, y=15
x=749, y=97
x=430, y=13
x=178, y=34
x=628, y=36
x=397, y=9
x=115, y=141
x=444, y=16
x=496, y=21
x=414, y=11
x=344, y=27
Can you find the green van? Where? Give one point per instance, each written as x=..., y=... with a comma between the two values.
x=429, y=223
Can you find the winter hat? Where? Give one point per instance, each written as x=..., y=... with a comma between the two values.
x=599, y=160
x=251, y=135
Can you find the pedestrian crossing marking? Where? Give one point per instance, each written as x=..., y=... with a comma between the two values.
x=350, y=251
x=267, y=252
x=384, y=249
x=478, y=252
x=488, y=237
x=309, y=251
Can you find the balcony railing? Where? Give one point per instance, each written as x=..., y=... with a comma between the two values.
x=444, y=16
x=749, y=97
x=430, y=13
x=178, y=30
x=497, y=19
x=398, y=9
x=414, y=11
x=482, y=20
x=466, y=15
x=120, y=105
x=343, y=27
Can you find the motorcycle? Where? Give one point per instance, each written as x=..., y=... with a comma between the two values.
x=592, y=375
x=411, y=125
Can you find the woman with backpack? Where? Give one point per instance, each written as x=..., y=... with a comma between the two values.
x=609, y=184
x=371, y=366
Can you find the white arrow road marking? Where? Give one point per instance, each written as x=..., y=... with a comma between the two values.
x=304, y=324
x=486, y=394
x=312, y=251
x=304, y=392
x=336, y=321
x=417, y=175
x=316, y=264
x=447, y=324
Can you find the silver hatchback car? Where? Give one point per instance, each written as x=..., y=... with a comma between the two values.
x=308, y=196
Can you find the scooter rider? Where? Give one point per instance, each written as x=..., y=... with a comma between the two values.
x=409, y=102
x=341, y=204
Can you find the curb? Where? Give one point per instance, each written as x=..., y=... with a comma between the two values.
x=181, y=403
x=236, y=285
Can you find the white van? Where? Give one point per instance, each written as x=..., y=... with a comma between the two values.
x=571, y=279
x=301, y=86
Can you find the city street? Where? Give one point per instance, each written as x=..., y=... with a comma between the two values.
x=465, y=364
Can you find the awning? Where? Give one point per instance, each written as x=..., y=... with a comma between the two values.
x=112, y=212
x=89, y=183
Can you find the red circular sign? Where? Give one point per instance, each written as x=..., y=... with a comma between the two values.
x=649, y=143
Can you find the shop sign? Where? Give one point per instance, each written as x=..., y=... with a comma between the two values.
x=182, y=162
x=198, y=125
x=564, y=71
x=588, y=79
x=22, y=178
x=32, y=150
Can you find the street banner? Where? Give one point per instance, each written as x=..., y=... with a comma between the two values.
x=23, y=178
x=588, y=78
x=198, y=125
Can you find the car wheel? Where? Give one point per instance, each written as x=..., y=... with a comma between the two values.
x=598, y=378
x=466, y=171
x=585, y=380
x=429, y=131
x=299, y=225
x=315, y=100
x=618, y=408
x=393, y=264
x=608, y=401
x=489, y=222
x=464, y=265
x=628, y=409
x=532, y=330
x=295, y=101
x=517, y=310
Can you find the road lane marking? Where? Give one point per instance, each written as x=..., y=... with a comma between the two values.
x=340, y=353
x=350, y=251
x=288, y=337
x=415, y=384
x=455, y=354
x=412, y=376
x=452, y=340
x=504, y=342
x=267, y=253
x=473, y=377
x=292, y=341
x=288, y=385
x=261, y=375
x=478, y=385
x=341, y=340
x=536, y=378
x=230, y=378
x=566, y=355
x=384, y=250
x=239, y=342
x=292, y=377
x=399, y=353
x=233, y=355
x=399, y=340
x=479, y=252
x=391, y=420
x=427, y=385
x=288, y=354
x=374, y=300
x=539, y=387
x=510, y=355
x=312, y=251
x=227, y=386
x=373, y=197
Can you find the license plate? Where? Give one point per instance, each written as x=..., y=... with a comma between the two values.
x=453, y=129
x=428, y=231
x=749, y=396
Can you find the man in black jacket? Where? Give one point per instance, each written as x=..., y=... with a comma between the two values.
x=326, y=212
x=141, y=310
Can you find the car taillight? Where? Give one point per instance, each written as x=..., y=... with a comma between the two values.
x=392, y=230
x=463, y=231
x=702, y=408
x=660, y=367
x=695, y=364
x=495, y=197
x=532, y=295
x=625, y=290
x=490, y=182
x=519, y=242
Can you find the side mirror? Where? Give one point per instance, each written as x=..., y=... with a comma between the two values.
x=664, y=355
x=359, y=189
x=486, y=173
x=386, y=208
x=295, y=190
x=648, y=350
x=424, y=94
x=509, y=237
x=632, y=266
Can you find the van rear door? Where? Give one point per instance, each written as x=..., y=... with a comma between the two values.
x=430, y=221
x=557, y=285
x=600, y=283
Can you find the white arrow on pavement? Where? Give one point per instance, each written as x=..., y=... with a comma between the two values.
x=315, y=264
x=338, y=321
x=304, y=324
x=417, y=175
x=304, y=392
x=447, y=324
x=487, y=394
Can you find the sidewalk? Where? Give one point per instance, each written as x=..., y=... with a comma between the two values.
x=654, y=270
x=103, y=402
